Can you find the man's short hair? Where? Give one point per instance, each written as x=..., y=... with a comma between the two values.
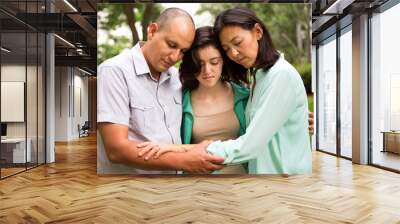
x=171, y=14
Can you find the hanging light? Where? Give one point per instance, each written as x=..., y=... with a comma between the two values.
x=70, y=5
x=5, y=50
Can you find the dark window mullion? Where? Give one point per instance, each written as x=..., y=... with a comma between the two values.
x=37, y=90
x=338, y=98
x=369, y=79
x=26, y=86
x=317, y=96
x=45, y=87
x=0, y=94
x=44, y=79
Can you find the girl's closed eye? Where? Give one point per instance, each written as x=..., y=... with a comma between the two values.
x=171, y=45
x=215, y=62
x=237, y=43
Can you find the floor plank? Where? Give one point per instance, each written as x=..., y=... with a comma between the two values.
x=69, y=191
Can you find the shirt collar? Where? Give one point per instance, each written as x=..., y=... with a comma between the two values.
x=140, y=63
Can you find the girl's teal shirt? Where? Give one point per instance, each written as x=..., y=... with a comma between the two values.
x=241, y=95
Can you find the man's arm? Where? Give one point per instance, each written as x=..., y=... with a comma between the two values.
x=154, y=150
x=122, y=150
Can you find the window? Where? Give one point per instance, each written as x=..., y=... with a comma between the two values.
x=346, y=92
x=327, y=95
x=385, y=87
x=22, y=76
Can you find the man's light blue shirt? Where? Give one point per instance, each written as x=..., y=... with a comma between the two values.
x=128, y=95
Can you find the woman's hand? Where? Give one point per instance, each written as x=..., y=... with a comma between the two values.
x=311, y=123
x=202, y=146
x=151, y=149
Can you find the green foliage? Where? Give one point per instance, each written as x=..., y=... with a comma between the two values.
x=114, y=47
x=310, y=103
x=113, y=18
x=215, y=9
x=288, y=25
x=305, y=73
x=116, y=18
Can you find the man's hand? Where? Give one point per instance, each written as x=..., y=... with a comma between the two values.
x=311, y=123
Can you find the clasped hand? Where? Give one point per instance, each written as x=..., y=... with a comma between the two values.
x=194, y=158
x=155, y=150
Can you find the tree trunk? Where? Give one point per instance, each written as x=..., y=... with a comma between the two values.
x=130, y=16
x=147, y=15
x=308, y=32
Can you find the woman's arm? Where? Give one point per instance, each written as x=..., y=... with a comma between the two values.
x=279, y=102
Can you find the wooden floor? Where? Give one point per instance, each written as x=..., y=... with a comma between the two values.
x=387, y=159
x=69, y=191
x=10, y=171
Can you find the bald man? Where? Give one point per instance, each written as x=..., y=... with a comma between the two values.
x=139, y=100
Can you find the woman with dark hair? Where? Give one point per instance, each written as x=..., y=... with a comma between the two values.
x=276, y=139
x=213, y=99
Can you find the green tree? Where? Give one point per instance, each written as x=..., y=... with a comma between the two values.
x=112, y=48
x=288, y=24
x=117, y=15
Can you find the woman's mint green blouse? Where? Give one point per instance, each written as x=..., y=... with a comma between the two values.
x=276, y=139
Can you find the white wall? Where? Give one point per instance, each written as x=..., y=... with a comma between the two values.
x=360, y=90
x=33, y=127
x=71, y=94
x=80, y=110
x=50, y=95
x=61, y=103
x=12, y=73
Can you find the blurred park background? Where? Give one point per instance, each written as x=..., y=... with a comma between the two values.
x=120, y=26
